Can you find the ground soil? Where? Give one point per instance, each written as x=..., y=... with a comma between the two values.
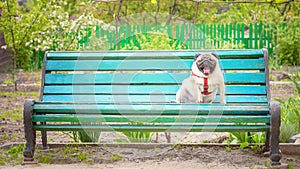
x=105, y=157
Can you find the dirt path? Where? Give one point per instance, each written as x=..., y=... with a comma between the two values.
x=214, y=157
x=189, y=164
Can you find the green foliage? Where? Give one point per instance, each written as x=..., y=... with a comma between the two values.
x=287, y=130
x=288, y=44
x=84, y=136
x=89, y=136
x=290, y=165
x=222, y=44
x=247, y=138
x=12, y=156
x=228, y=148
x=96, y=43
x=68, y=150
x=44, y=159
x=14, y=115
x=81, y=156
x=9, y=81
x=116, y=157
x=285, y=39
x=42, y=25
x=290, y=113
x=138, y=136
x=121, y=140
x=45, y=25
x=150, y=41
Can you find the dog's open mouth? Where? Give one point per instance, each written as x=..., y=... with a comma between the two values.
x=206, y=70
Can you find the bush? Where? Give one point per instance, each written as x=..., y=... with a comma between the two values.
x=290, y=113
x=288, y=44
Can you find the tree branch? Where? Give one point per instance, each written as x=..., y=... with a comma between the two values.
x=157, y=11
x=117, y=28
x=144, y=9
x=172, y=12
x=31, y=25
x=77, y=31
x=190, y=30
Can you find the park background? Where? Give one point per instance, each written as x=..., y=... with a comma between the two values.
x=29, y=28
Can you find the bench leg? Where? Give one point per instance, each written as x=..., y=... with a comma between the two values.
x=30, y=132
x=275, y=154
x=44, y=138
x=267, y=143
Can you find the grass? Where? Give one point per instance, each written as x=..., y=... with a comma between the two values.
x=290, y=165
x=12, y=156
x=45, y=158
x=66, y=154
x=15, y=114
x=121, y=140
x=68, y=150
x=81, y=156
x=14, y=95
x=9, y=81
x=116, y=157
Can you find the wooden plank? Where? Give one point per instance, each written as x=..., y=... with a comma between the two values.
x=144, y=98
x=151, y=109
x=144, y=78
x=150, y=119
x=141, y=89
x=159, y=64
x=155, y=128
x=250, y=53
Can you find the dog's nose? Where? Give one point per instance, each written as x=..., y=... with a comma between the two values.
x=206, y=63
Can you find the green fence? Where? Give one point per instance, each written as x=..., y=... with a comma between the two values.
x=197, y=36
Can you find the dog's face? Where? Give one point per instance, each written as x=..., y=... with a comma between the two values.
x=206, y=63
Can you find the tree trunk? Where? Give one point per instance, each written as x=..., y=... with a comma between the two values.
x=5, y=59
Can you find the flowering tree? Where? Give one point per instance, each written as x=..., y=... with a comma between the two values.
x=41, y=25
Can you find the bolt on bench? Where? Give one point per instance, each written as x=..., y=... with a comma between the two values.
x=133, y=90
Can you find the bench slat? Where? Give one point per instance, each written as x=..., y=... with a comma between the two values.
x=140, y=89
x=153, y=54
x=157, y=128
x=145, y=78
x=155, y=109
x=150, y=119
x=94, y=65
x=145, y=98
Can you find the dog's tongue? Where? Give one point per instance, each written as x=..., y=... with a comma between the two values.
x=206, y=70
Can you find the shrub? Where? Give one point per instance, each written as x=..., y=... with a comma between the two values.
x=290, y=112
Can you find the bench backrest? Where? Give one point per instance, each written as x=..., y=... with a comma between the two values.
x=147, y=76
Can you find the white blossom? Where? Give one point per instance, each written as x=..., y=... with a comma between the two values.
x=4, y=47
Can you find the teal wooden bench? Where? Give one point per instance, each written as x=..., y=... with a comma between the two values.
x=110, y=91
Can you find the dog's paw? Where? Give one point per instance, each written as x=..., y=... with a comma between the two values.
x=223, y=102
x=200, y=100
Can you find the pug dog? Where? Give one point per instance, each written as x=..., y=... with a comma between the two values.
x=205, y=80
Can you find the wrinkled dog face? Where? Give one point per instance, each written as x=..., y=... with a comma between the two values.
x=206, y=63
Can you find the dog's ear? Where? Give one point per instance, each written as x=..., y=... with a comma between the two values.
x=215, y=55
x=196, y=56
